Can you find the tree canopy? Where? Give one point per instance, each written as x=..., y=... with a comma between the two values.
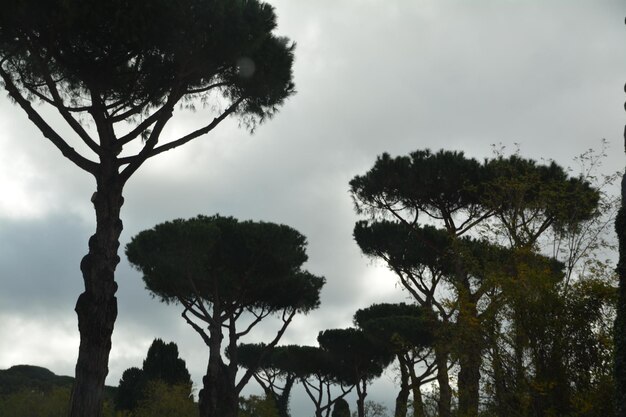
x=219, y=269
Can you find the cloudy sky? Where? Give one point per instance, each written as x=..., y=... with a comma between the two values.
x=372, y=76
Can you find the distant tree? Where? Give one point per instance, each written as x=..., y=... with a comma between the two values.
x=362, y=358
x=341, y=409
x=161, y=399
x=163, y=364
x=130, y=389
x=406, y=331
x=255, y=406
x=30, y=402
x=271, y=371
x=321, y=374
x=373, y=409
x=122, y=67
x=219, y=269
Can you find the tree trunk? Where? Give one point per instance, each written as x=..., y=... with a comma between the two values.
x=96, y=307
x=620, y=317
x=470, y=358
x=218, y=397
x=418, y=402
x=403, y=395
x=361, y=393
x=445, y=392
x=282, y=400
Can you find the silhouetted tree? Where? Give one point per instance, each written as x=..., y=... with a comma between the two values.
x=130, y=389
x=122, y=67
x=361, y=358
x=406, y=331
x=270, y=371
x=462, y=195
x=319, y=371
x=162, y=364
x=341, y=409
x=219, y=269
x=619, y=332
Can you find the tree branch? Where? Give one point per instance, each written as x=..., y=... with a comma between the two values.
x=197, y=328
x=67, y=151
x=148, y=153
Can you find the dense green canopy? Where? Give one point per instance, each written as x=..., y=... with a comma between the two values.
x=136, y=53
x=219, y=259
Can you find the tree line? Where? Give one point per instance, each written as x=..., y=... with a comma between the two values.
x=495, y=325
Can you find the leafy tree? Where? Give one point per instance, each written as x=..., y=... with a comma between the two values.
x=130, y=389
x=373, y=409
x=29, y=402
x=115, y=72
x=163, y=364
x=406, y=332
x=255, y=406
x=219, y=269
x=271, y=371
x=161, y=399
x=318, y=370
x=341, y=409
x=464, y=197
x=361, y=358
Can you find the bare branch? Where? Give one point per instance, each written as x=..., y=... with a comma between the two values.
x=150, y=152
x=197, y=328
x=67, y=151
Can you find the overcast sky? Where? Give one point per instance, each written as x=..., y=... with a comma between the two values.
x=372, y=76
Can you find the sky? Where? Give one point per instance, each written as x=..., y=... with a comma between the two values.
x=372, y=76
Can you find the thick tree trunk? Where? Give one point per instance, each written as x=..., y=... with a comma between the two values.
x=418, y=401
x=282, y=400
x=402, y=398
x=470, y=358
x=218, y=397
x=361, y=392
x=97, y=306
x=443, y=380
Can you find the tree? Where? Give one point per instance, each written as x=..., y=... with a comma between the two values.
x=463, y=197
x=162, y=364
x=219, y=269
x=406, y=332
x=361, y=358
x=619, y=332
x=319, y=371
x=161, y=399
x=341, y=409
x=122, y=67
x=270, y=368
x=255, y=406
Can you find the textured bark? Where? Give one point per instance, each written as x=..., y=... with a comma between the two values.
x=282, y=400
x=361, y=392
x=443, y=380
x=470, y=358
x=403, y=395
x=97, y=306
x=620, y=319
x=218, y=397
